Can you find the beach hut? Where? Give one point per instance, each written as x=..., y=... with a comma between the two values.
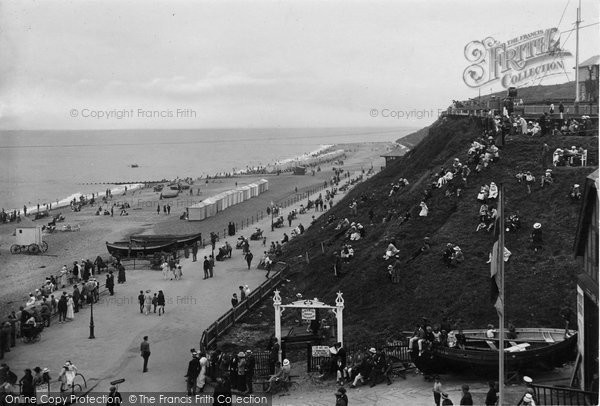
x=240, y=195
x=197, y=212
x=211, y=207
x=246, y=191
x=263, y=185
x=228, y=198
x=253, y=189
x=218, y=202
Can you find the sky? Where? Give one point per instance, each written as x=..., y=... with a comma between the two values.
x=240, y=64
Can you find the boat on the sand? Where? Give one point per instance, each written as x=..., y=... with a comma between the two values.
x=130, y=249
x=533, y=348
x=169, y=194
x=181, y=241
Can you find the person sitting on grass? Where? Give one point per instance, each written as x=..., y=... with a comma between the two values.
x=457, y=257
x=575, y=192
x=391, y=250
x=547, y=178
x=447, y=254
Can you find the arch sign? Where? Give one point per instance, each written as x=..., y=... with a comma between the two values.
x=309, y=311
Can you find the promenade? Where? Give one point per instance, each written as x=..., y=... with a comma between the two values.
x=192, y=305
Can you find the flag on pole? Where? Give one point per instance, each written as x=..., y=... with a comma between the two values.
x=497, y=260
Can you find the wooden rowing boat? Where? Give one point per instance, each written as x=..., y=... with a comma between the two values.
x=181, y=241
x=129, y=249
x=533, y=348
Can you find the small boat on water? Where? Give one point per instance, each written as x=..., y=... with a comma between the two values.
x=135, y=166
x=181, y=241
x=533, y=348
x=129, y=249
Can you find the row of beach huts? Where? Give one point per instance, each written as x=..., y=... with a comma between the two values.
x=214, y=204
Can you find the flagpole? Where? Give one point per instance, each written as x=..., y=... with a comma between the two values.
x=500, y=259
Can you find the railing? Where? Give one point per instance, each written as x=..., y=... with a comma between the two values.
x=554, y=395
x=396, y=350
x=223, y=323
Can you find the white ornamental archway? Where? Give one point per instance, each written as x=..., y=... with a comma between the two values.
x=338, y=310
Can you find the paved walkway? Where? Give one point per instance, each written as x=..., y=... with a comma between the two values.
x=192, y=304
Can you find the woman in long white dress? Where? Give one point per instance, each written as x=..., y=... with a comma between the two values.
x=424, y=210
x=64, y=275
x=70, y=310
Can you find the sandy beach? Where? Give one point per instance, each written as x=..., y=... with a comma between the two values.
x=24, y=273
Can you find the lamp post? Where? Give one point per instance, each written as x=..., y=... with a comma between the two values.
x=92, y=319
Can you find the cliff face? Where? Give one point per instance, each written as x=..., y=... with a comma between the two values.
x=539, y=286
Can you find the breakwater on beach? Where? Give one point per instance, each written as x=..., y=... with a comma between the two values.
x=50, y=166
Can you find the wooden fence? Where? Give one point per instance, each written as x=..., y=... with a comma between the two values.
x=211, y=335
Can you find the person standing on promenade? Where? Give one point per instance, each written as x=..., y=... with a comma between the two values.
x=161, y=302
x=141, y=301
x=234, y=300
x=70, y=312
x=250, y=366
x=192, y=373
x=168, y=208
x=121, y=276
x=62, y=308
x=147, y=302
x=158, y=209
x=206, y=266
x=195, y=251
x=466, y=397
x=242, y=294
x=114, y=397
x=110, y=283
x=211, y=262
x=437, y=390
x=76, y=298
x=145, y=352
x=249, y=257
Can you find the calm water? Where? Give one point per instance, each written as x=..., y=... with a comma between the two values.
x=46, y=166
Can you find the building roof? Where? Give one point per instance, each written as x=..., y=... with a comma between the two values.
x=401, y=150
x=591, y=196
x=594, y=60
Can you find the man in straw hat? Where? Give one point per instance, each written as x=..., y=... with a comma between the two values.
x=446, y=400
x=341, y=399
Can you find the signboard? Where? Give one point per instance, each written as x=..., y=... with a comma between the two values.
x=320, y=351
x=309, y=314
x=516, y=62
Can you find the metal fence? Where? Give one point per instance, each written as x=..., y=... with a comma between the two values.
x=554, y=395
x=222, y=324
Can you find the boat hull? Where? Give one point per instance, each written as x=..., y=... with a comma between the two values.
x=483, y=361
x=181, y=241
x=126, y=249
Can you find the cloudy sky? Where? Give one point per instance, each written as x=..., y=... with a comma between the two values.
x=253, y=63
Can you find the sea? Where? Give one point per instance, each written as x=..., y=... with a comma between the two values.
x=53, y=166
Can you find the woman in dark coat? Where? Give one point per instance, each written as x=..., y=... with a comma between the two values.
x=27, y=386
x=121, y=276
